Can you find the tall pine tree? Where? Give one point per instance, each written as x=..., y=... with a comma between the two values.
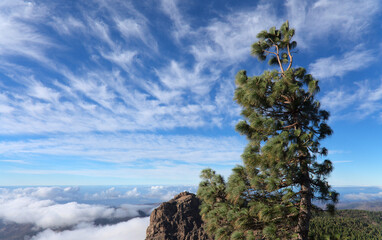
x=271, y=195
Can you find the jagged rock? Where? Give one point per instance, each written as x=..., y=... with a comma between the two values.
x=177, y=219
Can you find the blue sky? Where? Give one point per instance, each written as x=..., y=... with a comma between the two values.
x=140, y=92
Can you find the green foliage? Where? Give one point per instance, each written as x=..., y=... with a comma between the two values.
x=270, y=196
x=346, y=225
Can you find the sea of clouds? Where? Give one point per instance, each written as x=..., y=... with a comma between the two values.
x=73, y=213
x=134, y=229
x=101, y=212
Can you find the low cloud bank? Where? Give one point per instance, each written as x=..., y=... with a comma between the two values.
x=38, y=206
x=363, y=196
x=111, y=196
x=134, y=229
x=77, y=213
x=50, y=193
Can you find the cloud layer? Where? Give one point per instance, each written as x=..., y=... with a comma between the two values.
x=134, y=229
x=37, y=206
x=72, y=213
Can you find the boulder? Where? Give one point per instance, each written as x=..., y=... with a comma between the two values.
x=177, y=219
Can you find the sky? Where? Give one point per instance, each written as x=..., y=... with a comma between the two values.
x=115, y=92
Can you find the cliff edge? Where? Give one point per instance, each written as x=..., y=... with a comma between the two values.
x=177, y=219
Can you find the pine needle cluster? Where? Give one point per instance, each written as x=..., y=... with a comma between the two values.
x=270, y=196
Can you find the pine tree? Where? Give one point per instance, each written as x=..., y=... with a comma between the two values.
x=271, y=195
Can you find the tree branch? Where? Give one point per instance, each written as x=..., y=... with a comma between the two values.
x=270, y=52
x=290, y=58
x=278, y=59
x=290, y=126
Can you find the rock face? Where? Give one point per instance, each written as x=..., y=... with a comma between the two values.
x=177, y=219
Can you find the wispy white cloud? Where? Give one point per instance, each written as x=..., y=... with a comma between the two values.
x=338, y=151
x=335, y=66
x=337, y=100
x=160, y=172
x=177, y=77
x=181, y=27
x=133, y=147
x=38, y=90
x=228, y=39
x=345, y=161
x=186, y=95
x=22, y=38
x=346, y=21
x=14, y=161
x=359, y=103
x=221, y=44
x=68, y=25
x=97, y=98
x=123, y=58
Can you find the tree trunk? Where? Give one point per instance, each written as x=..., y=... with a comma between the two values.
x=305, y=205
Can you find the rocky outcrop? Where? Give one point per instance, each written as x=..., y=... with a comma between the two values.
x=177, y=219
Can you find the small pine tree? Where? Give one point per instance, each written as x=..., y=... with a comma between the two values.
x=270, y=196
